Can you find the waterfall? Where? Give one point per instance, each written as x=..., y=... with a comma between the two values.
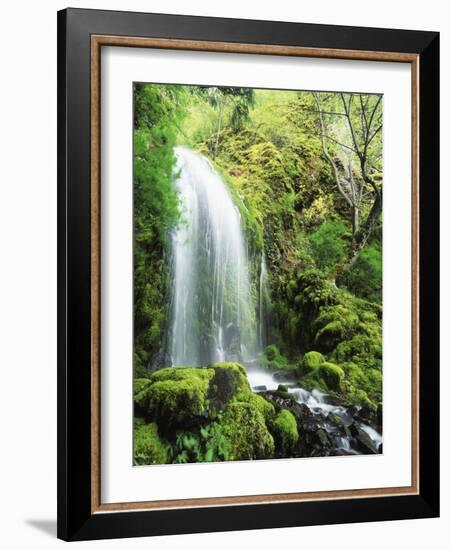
x=213, y=315
x=262, y=291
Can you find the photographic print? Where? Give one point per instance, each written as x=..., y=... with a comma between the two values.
x=257, y=274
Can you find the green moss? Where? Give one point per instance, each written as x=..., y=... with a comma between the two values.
x=148, y=447
x=177, y=396
x=332, y=375
x=262, y=405
x=271, y=352
x=187, y=398
x=248, y=437
x=362, y=348
x=285, y=430
x=273, y=359
x=311, y=362
x=362, y=386
x=140, y=395
x=333, y=325
x=236, y=375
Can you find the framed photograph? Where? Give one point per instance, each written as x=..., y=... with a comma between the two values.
x=248, y=274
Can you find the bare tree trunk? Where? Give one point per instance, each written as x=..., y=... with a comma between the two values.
x=355, y=221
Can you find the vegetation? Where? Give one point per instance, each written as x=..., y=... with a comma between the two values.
x=305, y=172
x=199, y=419
x=286, y=430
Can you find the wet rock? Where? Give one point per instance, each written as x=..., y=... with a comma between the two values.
x=232, y=342
x=367, y=416
x=222, y=387
x=365, y=442
x=259, y=388
x=160, y=360
x=285, y=376
x=323, y=438
x=334, y=419
x=347, y=431
x=301, y=411
x=379, y=415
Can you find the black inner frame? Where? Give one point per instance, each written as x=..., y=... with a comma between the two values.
x=75, y=521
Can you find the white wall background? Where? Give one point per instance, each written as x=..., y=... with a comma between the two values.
x=28, y=271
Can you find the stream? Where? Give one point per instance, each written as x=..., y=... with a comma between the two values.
x=347, y=432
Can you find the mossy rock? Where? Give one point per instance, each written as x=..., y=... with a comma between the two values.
x=333, y=325
x=285, y=430
x=311, y=362
x=148, y=447
x=362, y=385
x=363, y=348
x=332, y=375
x=229, y=381
x=243, y=425
x=182, y=398
x=263, y=406
x=177, y=396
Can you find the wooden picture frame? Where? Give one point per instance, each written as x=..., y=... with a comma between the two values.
x=81, y=35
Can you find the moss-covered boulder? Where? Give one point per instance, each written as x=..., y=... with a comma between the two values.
x=182, y=397
x=285, y=430
x=177, y=396
x=332, y=375
x=245, y=429
x=148, y=447
x=333, y=325
x=311, y=362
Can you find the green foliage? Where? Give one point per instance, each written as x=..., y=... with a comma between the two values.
x=148, y=447
x=364, y=279
x=206, y=445
x=285, y=430
x=329, y=243
x=157, y=113
x=217, y=446
x=273, y=359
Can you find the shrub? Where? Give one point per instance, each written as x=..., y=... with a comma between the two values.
x=148, y=448
x=328, y=243
x=364, y=279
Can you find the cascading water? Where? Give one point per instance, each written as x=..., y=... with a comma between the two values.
x=263, y=297
x=213, y=314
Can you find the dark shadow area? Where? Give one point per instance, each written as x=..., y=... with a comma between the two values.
x=46, y=526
